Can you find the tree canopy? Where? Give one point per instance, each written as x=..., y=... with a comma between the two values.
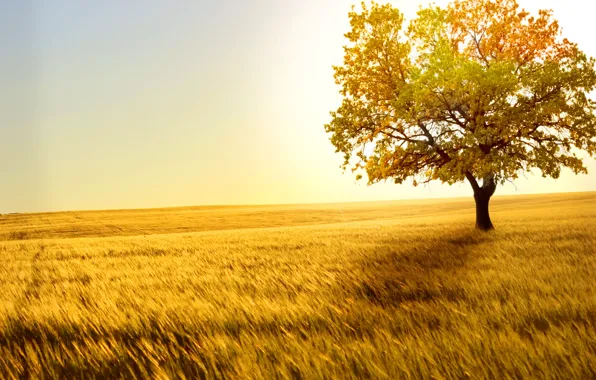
x=480, y=89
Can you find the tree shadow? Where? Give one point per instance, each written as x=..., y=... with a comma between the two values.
x=424, y=271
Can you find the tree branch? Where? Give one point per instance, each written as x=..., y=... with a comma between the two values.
x=432, y=143
x=472, y=181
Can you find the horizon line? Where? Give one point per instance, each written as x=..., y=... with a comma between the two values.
x=239, y=205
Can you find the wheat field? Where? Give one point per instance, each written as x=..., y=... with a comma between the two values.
x=386, y=290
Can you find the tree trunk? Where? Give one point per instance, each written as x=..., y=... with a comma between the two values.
x=482, y=196
x=482, y=216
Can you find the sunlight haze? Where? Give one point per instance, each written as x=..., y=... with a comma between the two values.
x=150, y=104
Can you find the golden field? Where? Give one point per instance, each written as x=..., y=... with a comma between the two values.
x=404, y=289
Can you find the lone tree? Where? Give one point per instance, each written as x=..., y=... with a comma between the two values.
x=479, y=90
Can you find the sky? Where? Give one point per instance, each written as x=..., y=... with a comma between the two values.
x=155, y=103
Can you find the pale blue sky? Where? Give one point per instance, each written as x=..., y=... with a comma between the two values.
x=120, y=104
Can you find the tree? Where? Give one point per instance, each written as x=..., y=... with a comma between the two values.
x=479, y=91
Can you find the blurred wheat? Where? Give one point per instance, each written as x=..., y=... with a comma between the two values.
x=402, y=290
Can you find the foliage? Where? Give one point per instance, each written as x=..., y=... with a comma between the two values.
x=479, y=89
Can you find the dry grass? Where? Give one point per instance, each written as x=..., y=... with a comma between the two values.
x=371, y=290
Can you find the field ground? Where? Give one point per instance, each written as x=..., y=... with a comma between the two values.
x=391, y=290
